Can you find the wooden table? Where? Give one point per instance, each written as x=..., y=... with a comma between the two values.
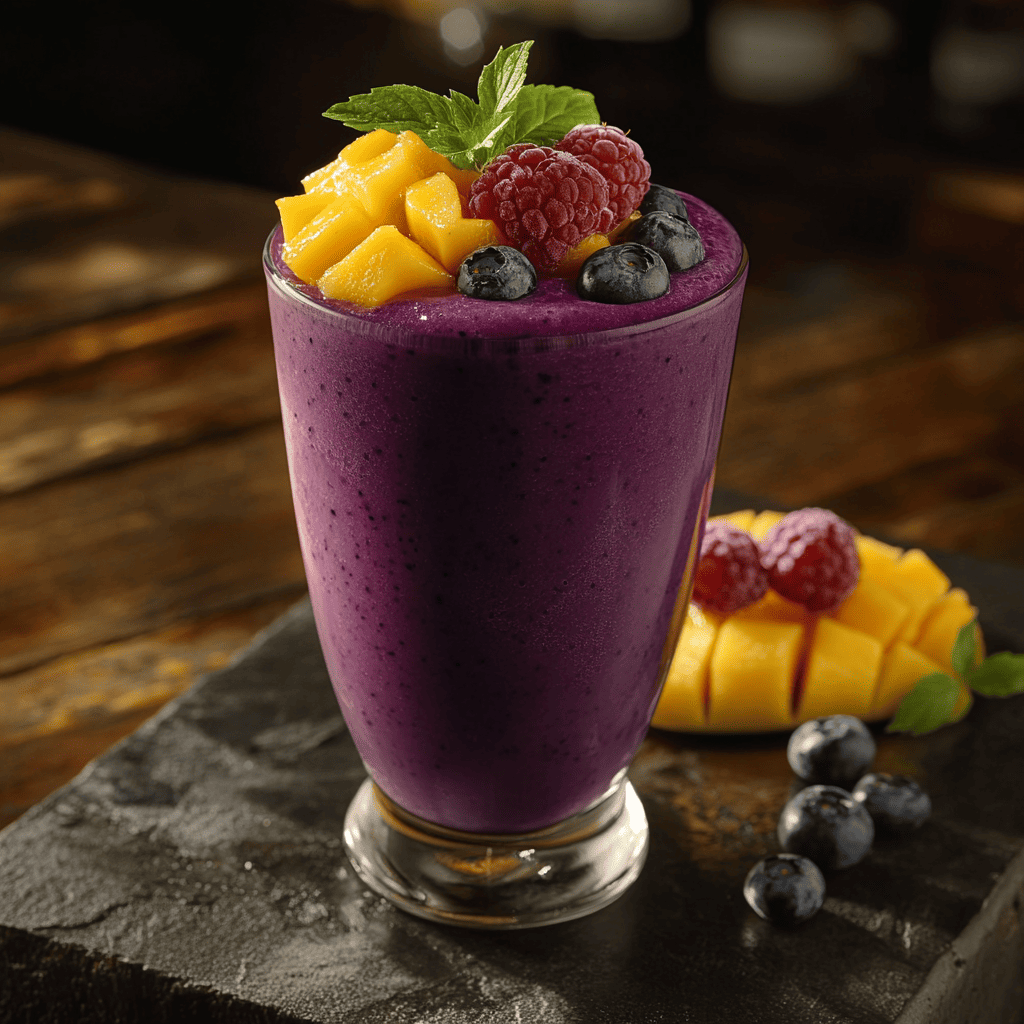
x=146, y=529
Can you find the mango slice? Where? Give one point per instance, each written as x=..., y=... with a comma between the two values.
x=329, y=237
x=750, y=655
x=297, y=211
x=842, y=665
x=569, y=265
x=774, y=664
x=363, y=149
x=433, y=211
x=386, y=264
x=686, y=684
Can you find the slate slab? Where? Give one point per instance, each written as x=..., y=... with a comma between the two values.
x=196, y=872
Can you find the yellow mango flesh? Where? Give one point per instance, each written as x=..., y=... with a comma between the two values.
x=363, y=149
x=297, y=211
x=569, y=265
x=873, y=609
x=327, y=238
x=386, y=264
x=856, y=660
x=841, y=668
x=684, y=697
x=748, y=655
x=433, y=211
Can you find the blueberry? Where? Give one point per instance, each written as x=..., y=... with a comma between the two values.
x=835, y=750
x=676, y=241
x=827, y=825
x=623, y=273
x=897, y=805
x=497, y=272
x=785, y=888
x=660, y=198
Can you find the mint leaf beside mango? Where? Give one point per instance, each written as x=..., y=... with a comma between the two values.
x=931, y=703
x=468, y=132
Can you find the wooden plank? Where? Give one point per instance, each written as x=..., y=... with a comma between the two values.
x=119, y=552
x=112, y=680
x=139, y=401
x=800, y=446
x=75, y=347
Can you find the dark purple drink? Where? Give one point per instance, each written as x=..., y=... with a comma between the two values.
x=497, y=503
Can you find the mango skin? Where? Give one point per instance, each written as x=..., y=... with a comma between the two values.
x=862, y=659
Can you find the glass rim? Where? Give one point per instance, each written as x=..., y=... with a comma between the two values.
x=327, y=306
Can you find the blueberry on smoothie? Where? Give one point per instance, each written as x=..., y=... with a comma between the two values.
x=622, y=274
x=785, y=889
x=497, y=272
x=660, y=198
x=676, y=241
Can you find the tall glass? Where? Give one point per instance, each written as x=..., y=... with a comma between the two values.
x=499, y=524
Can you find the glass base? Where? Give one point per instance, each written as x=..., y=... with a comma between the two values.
x=498, y=881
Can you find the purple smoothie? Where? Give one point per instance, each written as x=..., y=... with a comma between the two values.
x=497, y=503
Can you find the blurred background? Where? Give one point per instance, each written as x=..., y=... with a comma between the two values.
x=870, y=152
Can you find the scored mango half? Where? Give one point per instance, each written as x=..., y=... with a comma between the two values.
x=382, y=219
x=772, y=665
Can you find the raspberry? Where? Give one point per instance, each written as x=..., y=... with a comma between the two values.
x=729, y=575
x=811, y=558
x=619, y=159
x=544, y=201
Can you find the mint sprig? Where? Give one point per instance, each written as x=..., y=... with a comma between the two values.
x=469, y=132
x=930, y=704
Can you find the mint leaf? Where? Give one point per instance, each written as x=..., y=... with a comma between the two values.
x=396, y=108
x=545, y=113
x=501, y=80
x=965, y=651
x=999, y=675
x=471, y=133
x=928, y=706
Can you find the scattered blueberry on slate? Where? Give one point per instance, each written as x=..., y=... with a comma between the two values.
x=622, y=274
x=897, y=805
x=825, y=824
x=660, y=198
x=835, y=750
x=785, y=888
x=676, y=241
x=497, y=272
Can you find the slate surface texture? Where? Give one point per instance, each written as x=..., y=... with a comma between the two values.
x=196, y=872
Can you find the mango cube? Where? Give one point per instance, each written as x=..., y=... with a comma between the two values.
x=433, y=211
x=569, y=265
x=877, y=559
x=384, y=265
x=902, y=667
x=941, y=625
x=297, y=211
x=773, y=607
x=752, y=657
x=327, y=238
x=873, y=609
x=742, y=519
x=919, y=582
x=684, y=696
x=363, y=149
x=762, y=523
x=842, y=664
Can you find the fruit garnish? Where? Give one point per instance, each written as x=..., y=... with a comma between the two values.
x=544, y=201
x=623, y=274
x=497, y=272
x=811, y=558
x=897, y=804
x=729, y=574
x=619, y=160
x=785, y=889
x=468, y=132
x=834, y=750
x=676, y=241
x=826, y=825
x=660, y=198
x=933, y=702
